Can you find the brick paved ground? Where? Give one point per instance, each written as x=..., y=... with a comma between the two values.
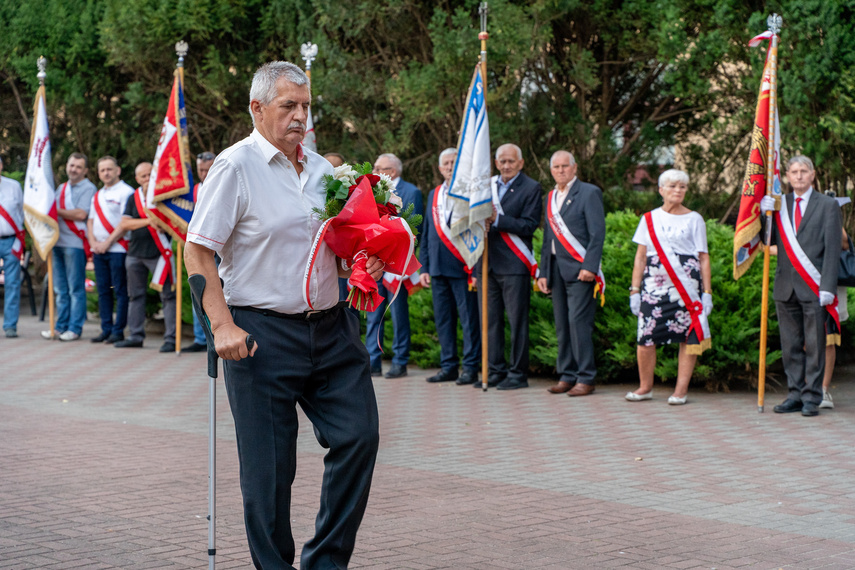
x=103, y=465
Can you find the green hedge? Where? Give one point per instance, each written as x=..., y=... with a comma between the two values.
x=735, y=321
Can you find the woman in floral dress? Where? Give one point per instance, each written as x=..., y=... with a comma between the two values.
x=663, y=317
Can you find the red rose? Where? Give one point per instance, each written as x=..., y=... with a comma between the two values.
x=387, y=210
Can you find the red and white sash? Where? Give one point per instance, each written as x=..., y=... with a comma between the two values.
x=18, y=244
x=443, y=230
x=801, y=262
x=513, y=241
x=77, y=227
x=102, y=218
x=569, y=242
x=682, y=282
x=164, y=268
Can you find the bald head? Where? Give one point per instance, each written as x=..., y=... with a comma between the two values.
x=142, y=173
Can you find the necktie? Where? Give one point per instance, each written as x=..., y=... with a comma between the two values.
x=798, y=213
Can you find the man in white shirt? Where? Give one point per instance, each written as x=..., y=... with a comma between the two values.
x=204, y=161
x=256, y=213
x=109, y=258
x=73, y=200
x=11, y=249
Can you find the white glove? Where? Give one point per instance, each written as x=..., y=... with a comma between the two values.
x=635, y=304
x=825, y=298
x=706, y=299
x=767, y=203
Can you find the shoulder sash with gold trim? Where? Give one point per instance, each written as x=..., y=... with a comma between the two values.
x=682, y=282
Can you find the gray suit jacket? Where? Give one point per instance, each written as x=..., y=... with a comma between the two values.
x=819, y=234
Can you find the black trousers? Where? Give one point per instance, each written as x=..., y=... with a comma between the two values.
x=574, y=306
x=323, y=366
x=511, y=294
x=802, y=328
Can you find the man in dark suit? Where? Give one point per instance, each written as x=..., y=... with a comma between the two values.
x=391, y=165
x=814, y=220
x=570, y=275
x=445, y=273
x=518, y=207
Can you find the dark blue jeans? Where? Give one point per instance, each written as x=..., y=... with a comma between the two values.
x=400, y=311
x=112, y=284
x=69, y=284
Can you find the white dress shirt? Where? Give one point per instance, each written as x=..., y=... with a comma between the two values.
x=256, y=212
x=112, y=200
x=802, y=205
x=12, y=200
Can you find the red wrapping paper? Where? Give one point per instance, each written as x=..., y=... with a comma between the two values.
x=360, y=231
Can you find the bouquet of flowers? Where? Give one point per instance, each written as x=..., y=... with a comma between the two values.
x=362, y=218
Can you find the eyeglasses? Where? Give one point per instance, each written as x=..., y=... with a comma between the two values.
x=206, y=156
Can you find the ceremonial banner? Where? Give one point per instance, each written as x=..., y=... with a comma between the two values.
x=169, y=199
x=470, y=199
x=746, y=240
x=40, y=215
x=309, y=138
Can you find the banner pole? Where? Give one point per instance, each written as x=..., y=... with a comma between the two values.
x=51, y=299
x=181, y=51
x=485, y=315
x=774, y=23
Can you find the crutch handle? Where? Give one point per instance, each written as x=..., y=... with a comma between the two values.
x=197, y=290
x=250, y=342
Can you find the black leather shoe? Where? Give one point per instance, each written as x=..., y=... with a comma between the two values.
x=376, y=371
x=114, y=338
x=467, y=377
x=196, y=347
x=397, y=371
x=129, y=343
x=809, y=410
x=492, y=381
x=167, y=347
x=512, y=384
x=788, y=406
x=443, y=376
x=101, y=337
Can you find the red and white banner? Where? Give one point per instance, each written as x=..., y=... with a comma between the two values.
x=309, y=140
x=687, y=289
x=164, y=268
x=439, y=211
x=40, y=215
x=77, y=227
x=569, y=242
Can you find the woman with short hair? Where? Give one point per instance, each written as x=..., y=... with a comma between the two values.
x=671, y=286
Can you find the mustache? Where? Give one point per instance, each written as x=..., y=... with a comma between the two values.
x=297, y=125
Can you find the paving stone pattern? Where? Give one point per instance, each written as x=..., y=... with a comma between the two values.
x=103, y=464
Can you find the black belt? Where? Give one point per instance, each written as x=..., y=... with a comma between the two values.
x=7, y=237
x=306, y=316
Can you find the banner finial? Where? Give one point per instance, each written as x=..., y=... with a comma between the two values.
x=42, y=64
x=309, y=51
x=181, y=49
x=774, y=22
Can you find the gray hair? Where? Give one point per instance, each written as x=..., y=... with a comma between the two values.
x=396, y=162
x=446, y=152
x=509, y=145
x=567, y=152
x=800, y=159
x=264, y=81
x=673, y=175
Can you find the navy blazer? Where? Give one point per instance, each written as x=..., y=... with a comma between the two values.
x=434, y=256
x=410, y=194
x=523, y=207
x=583, y=213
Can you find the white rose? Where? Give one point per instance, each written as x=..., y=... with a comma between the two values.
x=346, y=174
x=396, y=200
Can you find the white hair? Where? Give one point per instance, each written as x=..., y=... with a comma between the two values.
x=263, y=87
x=800, y=159
x=509, y=145
x=447, y=152
x=567, y=152
x=396, y=162
x=673, y=175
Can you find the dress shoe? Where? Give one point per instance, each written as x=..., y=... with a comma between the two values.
x=128, y=343
x=113, y=338
x=397, y=371
x=581, y=390
x=196, y=347
x=788, y=406
x=443, y=376
x=675, y=401
x=101, y=337
x=633, y=397
x=561, y=387
x=167, y=347
x=492, y=381
x=809, y=409
x=378, y=371
x=512, y=384
x=467, y=377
